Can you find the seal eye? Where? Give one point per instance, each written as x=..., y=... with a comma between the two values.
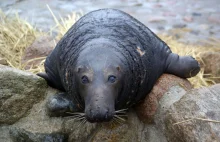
x=84, y=79
x=112, y=78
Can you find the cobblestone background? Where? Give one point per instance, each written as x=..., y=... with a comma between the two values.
x=201, y=17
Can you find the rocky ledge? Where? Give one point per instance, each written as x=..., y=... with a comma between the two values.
x=173, y=111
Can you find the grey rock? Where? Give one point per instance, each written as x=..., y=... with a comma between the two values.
x=41, y=47
x=34, y=125
x=214, y=18
x=180, y=25
x=20, y=135
x=192, y=117
x=196, y=14
x=4, y=134
x=18, y=92
x=131, y=130
x=195, y=32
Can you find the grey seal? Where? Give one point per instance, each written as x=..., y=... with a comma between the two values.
x=108, y=61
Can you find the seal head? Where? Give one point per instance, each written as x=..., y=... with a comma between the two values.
x=99, y=78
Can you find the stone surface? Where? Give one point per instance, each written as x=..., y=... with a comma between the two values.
x=188, y=18
x=20, y=135
x=4, y=134
x=214, y=18
x=36, y=126
x=132, y=130
x=211, y=61
x=18, y=92
x=193, y=117
x=166, y=83
x=170, y=103
x=38, y=51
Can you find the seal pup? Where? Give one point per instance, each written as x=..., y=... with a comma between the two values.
x=108, y=61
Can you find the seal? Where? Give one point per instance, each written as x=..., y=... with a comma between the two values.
x=106, y=62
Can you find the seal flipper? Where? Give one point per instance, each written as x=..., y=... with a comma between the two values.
x=46, y=77
x=52, y=82
x=182, y=66
x=60, y=104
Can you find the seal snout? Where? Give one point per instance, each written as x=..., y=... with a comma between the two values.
x=99, y=115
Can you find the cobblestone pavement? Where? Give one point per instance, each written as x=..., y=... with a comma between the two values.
x=200, y=17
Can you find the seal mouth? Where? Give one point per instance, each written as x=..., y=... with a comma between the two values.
x=99, y=115
x=118, y=116
x=99, y=119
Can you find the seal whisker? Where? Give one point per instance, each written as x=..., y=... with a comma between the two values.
x=76, y=113
x=81, y=122
x=84, y=121
x=120, y=118
x=82, y=118
x=121, y=110
x=121, y=115
x=73, y=117
x=117, y=120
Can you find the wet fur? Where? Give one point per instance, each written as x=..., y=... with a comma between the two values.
x=145, y=57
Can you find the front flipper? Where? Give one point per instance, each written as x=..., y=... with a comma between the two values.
x=52, y=80
x=60, y=104
x=182, y=66
x=46, y=77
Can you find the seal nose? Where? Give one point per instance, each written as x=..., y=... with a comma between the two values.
x=100, y=105
x=99, y=115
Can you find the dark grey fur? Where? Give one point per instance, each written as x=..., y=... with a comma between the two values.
x=142, y=55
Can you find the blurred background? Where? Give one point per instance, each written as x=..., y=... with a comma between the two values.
x=199, y=19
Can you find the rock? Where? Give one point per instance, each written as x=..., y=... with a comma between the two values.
x=37, y=126
x=169, y=14
x=180, y=25
x=188, y=18
x=195, y=32
x=158, y=6
x=131, y=130
x=204, y=27
x=211, y=61
x=214, y=18
x=195, y=117
x=4, y=134
x=41, y=47
x=19, y=135
x=156, y=19
x=196, y=14
x=3, y=61
x=166, y=84
x=29, y=94
x=160, y=28
x=18, y=92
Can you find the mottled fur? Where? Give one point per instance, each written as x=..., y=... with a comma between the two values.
x=143, y=56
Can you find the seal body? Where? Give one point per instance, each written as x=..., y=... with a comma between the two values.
x=109, y=61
